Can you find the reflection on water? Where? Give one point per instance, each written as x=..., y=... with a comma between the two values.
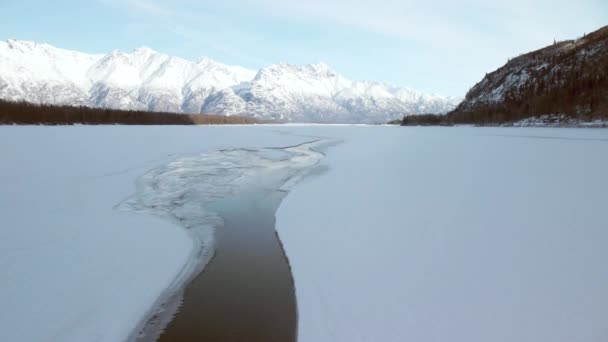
x=226, y=201
x=246, y=292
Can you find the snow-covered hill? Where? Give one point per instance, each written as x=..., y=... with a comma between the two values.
x=147, y=80
x=569, y=77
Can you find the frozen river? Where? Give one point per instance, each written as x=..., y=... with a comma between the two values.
x=246, y=292
x=226, y=201
x=425, y=234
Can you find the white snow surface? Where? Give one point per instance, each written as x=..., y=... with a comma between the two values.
x=75, y=267
x=410, y=234
x=557, y=120
x=452, y=234
x=148, y=80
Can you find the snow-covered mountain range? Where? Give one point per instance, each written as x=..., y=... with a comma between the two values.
x=147, y=80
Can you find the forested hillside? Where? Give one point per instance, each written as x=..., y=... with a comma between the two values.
x=569, y=77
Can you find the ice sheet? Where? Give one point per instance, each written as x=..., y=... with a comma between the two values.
x=74, y=268
x=452, y=234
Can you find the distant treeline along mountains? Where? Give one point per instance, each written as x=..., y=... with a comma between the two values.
x=568, y=78
x=25, y=113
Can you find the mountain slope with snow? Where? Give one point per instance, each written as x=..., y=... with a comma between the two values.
x=569, y=77
x=147, y=80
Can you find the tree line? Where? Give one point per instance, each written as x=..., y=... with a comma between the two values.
x=24, y=113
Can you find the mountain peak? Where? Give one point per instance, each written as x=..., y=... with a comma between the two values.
x=146, y=79
x=24, y=45
x=321, y=66
x=205, y=60
x=284, y=69
x=144, y=50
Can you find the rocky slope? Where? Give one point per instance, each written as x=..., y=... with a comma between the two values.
x=148, y=80
x=569, y=77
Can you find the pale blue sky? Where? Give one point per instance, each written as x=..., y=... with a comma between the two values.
x=437, y=46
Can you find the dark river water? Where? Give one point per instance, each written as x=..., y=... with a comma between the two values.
x=246, y=292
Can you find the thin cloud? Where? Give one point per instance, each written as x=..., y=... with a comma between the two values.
x=451, y=43
x=441, y=23
x=194, y=26
x=433, y=23
x=149, y=6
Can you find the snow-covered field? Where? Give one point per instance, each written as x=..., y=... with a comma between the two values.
x=421, y=234
x=557, y=120
x=453, y=234
x=73, y=267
